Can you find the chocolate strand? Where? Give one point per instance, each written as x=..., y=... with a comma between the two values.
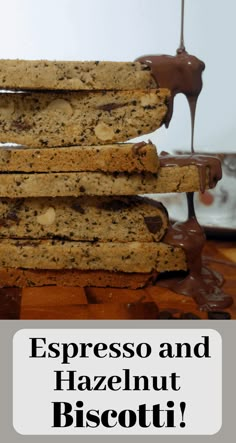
x=182, y=73
x=181, y=47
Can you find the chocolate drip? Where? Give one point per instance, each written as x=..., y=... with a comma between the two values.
x=181, y=43
x=207, y=166
x=181, y=73
x=203, y=284
x=191, y=209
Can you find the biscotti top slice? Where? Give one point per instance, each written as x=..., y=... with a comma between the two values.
x=108, y=256
x=74, y=75
x=123, y=157
x=121, y=219
x=46, y=119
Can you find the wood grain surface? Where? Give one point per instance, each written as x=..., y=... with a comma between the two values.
x=110, y=303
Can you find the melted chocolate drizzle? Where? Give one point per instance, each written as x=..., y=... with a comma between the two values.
x=208, y=167
x=182, y=73
x=203, y=284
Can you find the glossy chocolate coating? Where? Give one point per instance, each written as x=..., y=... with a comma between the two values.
x=182, y=73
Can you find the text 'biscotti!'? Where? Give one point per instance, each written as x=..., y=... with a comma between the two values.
x=117, y=381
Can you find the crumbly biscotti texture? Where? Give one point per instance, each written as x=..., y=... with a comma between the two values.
x=109, y=256
x=102, y=219
x=74, y=75
x=80, y=118
x=168, y=179
x=123, y=157
x=21, y=278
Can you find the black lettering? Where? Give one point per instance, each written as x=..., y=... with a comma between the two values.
x=142, y=413
x=157, y=416
x=170, y=415
x=84, y=347
x=173, y=377
x=92, y=418
x=101, y=379
x=66, y=354
x=69, y=380
x=145, y=383
x=84, y=385
x=128, y=352
x=127, y=379
x=54, y=351
x=98, y=348
x=35, y=347
x=105, y=418
x=205, y=345
x=127, y=418
x=113, y=348
x=166, y=350
x=186, y=350
x=112, y=380
x=159, y=383
x=180, y=350
x=62, y=410
x=79, y=415
x=146, y=352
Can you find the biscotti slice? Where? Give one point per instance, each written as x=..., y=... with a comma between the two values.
x=121, y=219
x=123, y=157
x=168, y=179
x=80, y=118
x=131, y=257
x=74, y=75
x=21, y=278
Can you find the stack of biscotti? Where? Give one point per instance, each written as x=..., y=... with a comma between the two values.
x=69, y=211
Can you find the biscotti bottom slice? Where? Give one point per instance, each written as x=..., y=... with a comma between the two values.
x=86, y=218
x=110, y=256
x=21, y=278
x=123, y=157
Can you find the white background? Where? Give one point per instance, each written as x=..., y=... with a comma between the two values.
x=126, y=29
x=33, y=381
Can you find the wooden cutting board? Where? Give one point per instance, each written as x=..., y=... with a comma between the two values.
x=111, y=303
